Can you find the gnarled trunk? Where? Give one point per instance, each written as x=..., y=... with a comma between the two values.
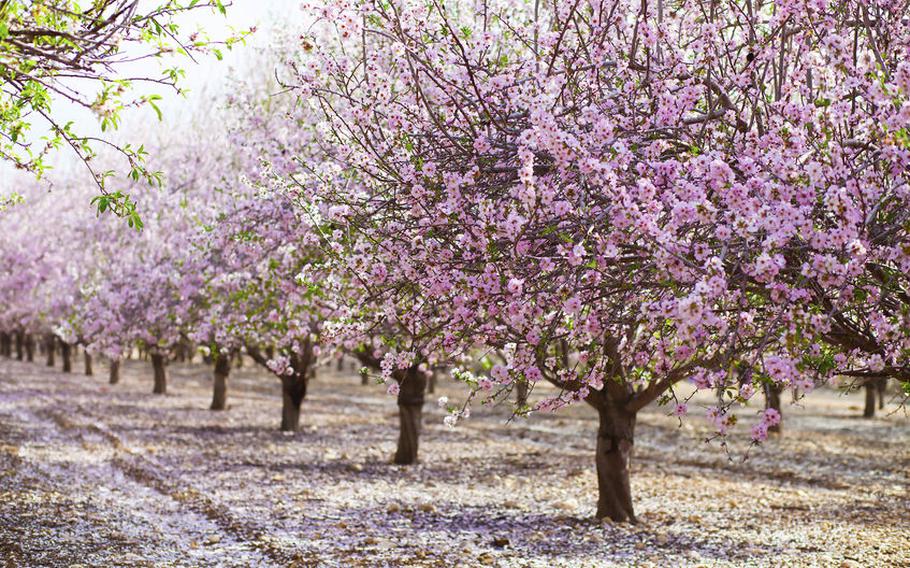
x=293, y=391
x=88, y=364
x=50, y=344
x=66, y=354
x=871, y=388
x=613, y=454
x=114, y=373
x=772, y=400
x=159, y=368
x=412, y=385
x=219, y=391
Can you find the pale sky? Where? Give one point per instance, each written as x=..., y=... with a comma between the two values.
x=207, y=82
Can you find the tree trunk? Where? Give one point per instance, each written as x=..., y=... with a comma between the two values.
x=114, y=377
x=615, y=437
x=49, y=345
x=219, y=392
x=339, y=365
x=521, y=393
x=20, y=346
x=413, y=384
x=159, y=367
x=882, y=388
x=293, y=391
x=29, y=348
x=66, y=353
x=88, y=364
x=364, y=378
x=772, y=400
x=5, y=343
x=869, y=411
x=431, y=382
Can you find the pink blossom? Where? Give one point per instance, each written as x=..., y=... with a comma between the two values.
x=771, y=417
x=500, y=373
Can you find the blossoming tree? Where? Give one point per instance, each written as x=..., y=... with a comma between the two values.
x=624, y=195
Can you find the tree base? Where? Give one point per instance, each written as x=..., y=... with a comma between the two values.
x=159, y=369
x=613, y=455
x=412, y=385
x=114, y=375
x=219, y=389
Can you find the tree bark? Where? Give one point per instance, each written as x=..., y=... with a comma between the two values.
x=294, y=386
x=521, y=393
x=29, y=348
x=20, y=346
x=613, y=454
x=114, y=376
x=159, y=367
x=219, y=392
x=66, y=354
x=49, y=345
x=5, y=343
x=882, y=388
x=293, y=391
x=412, y=386
x=871, y=388
x=88, y=364
x=772, y=400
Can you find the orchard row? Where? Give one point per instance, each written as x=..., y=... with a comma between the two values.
x=612, y=197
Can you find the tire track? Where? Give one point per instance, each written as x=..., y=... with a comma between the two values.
x=108, y=504
x=144, y=470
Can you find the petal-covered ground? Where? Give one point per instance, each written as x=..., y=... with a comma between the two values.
x=92, y=475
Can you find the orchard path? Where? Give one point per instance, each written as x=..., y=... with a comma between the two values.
x=94, y=475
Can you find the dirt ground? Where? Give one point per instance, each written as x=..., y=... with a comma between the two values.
x=92, y=475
